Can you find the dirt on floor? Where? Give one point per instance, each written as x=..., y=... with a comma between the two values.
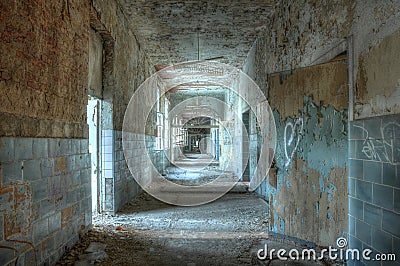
x=146, y=231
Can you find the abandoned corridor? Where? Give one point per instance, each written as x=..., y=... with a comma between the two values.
x=194, y=132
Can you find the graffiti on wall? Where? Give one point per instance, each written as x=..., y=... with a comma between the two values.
x=291, y=138
x=385, y=148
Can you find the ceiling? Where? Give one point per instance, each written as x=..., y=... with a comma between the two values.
x=178, y=31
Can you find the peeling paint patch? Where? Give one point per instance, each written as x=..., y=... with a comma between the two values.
x=320, y=81
x=310, y=199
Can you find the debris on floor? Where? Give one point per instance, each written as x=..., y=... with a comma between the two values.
x=146, y=231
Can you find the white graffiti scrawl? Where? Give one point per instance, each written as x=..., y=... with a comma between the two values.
x=383, y=149
x=295, y=130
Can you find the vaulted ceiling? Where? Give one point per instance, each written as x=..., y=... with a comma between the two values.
x=177, y=31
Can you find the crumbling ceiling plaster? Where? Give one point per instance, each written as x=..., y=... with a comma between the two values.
x=175, y=31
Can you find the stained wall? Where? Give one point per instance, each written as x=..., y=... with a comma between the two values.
x=308, y=191
x=374, y=149
x=47, y=49
x=45, y=194
x=305, y=33
x=307, y=187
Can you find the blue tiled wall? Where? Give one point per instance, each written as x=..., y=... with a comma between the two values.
x=374, y=186
x=45, y=199
x=122, y=186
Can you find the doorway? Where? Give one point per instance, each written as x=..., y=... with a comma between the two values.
x=246, y=146
x=93, y=120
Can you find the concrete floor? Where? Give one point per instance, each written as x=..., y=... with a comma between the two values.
x=194, y=179
x=194, y=170
x=146, y=231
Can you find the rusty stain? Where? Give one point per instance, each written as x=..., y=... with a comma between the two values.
x=58, y=199
x=20, y=194
x=60, y=164
x=7, y=247
x=9, y=190
x=35, y=251
x=66, y=215
x=11, y=226
x=21, y=198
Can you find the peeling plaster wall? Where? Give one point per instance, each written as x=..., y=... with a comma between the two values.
x=309, y=200
x=299, y=33
x=303, y=33
x=307, y=189
x=308, y=197
x=378, y=79
x=374, y=149
x=45, y=199
x=324, y=82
